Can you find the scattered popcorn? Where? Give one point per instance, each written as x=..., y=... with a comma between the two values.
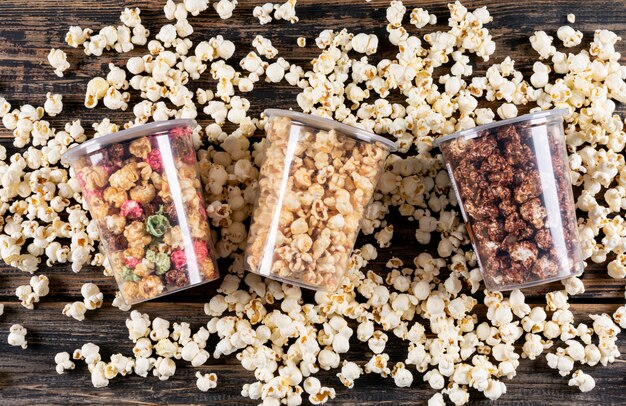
x=75, y=310
x=30, y=294
x=275, y=333
x=571, y=18
x=58, y=60
x=63, y=362
x=17, y=336
x=93, y=298
x=206, y=382
x=584, y=382
x=569, y=36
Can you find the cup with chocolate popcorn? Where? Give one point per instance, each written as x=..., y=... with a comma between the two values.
x=513, y=185
x=143, y=191
x=316, y=181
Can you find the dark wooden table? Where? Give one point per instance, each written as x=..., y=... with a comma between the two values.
x=28, y=29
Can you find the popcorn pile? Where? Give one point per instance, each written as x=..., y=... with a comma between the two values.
x=428, y=303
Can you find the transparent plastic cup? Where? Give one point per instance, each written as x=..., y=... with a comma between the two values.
x=513, y=185
x=143, y=190
x=315, y=183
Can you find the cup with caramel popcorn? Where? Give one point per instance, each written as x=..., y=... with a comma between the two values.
x=513, y=186
x=315, y=183
x=143, y=190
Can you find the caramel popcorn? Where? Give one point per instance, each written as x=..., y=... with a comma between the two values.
x=329, y=180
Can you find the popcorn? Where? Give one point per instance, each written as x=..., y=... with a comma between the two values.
x=350, y=90
x=75, y=310
x=63, y=362
x=53, y=104
x=58, y=60
x=205, y=382
x=30, y=294
x=569, y=36
x=17, y=336
x=402, y=377
x=93, y=298
x=583, y=381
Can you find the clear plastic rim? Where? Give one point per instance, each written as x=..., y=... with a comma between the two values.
x=328, y=124
x=98, y=143
x=544, y=116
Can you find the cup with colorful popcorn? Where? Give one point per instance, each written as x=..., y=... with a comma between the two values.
x=315, y=184
x=143, y=190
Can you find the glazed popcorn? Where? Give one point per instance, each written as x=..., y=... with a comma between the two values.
x=499, y=182
x=326, y=195
x=151, y=249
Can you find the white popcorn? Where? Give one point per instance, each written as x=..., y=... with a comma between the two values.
x=225, y=8
x=17, y=336
x=569, y=36
x=53, y=104
x=403, y=378
x=93, y=298
x=563, y=363
x=286, y=11
x=138, y=325
x=420, y=18
x=507, y=110
x=164, y=368
x=263, y=13
x=63, y=362
x=75, y=310
x=365, y=43
x=205, y=382
x=571, y=18
x=58, y=60
x=583, y=381
x=542, y=43
x=395, y=13
x=350, y=372
x=76, y=36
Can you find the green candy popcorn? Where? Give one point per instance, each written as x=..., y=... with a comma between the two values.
x=129, y=276
x=160, y=260
x=157, y=224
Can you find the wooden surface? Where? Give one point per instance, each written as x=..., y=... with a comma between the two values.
x=27, y=31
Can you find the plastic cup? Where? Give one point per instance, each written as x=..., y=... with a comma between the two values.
x=513, y=185
x=142, y=188
x=315, y=183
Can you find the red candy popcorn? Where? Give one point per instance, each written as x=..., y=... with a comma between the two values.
x=200, y=249
x=179, y=259
x=154, y=160
x=91, y=193
x=132, y=262
x=180, y=131
x=131, y=209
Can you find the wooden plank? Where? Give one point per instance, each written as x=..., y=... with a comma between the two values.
x=27, y=32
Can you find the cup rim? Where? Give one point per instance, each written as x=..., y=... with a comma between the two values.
x=543, y=115
x=98, y=143
x=329, y=124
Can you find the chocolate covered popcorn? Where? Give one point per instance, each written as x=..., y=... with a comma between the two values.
x=512, y=182
x=315, y=184
x=143, y=190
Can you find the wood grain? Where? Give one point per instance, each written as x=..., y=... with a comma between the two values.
x=28, y=29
